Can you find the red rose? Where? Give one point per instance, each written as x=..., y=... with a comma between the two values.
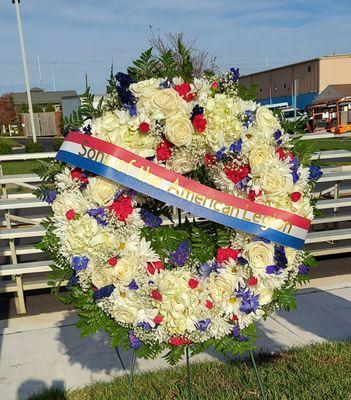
x=253, y=281
x=155, y=294
x=284, y=153
x=70, y=214
x=153, y=266
x=182, y=89
x=144, y=127
x=253, y=195
x=209, y=159
x=225, y=253
x=215, y=85
x=189, y=97
x=158, y=265
x=78, y=174
x=112, y=261
x=295, y=196
x=209, y=304
x=150, y=268
x=122, y=207
x=193, y=283
x=236, y=174
x=177, y=341
x=199, y=123
x=163, y=151
x=158, y=319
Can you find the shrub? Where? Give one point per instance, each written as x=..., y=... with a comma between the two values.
x=5, y=147
x=57, y=143
x=24, y=108
x=49, y=107
x=32, y=147
x=37, y=108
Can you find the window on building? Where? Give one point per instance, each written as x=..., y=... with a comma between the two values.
x=309, y=68
x=260, y=89
x=284, y=85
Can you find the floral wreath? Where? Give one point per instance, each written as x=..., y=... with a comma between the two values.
x=153, y=286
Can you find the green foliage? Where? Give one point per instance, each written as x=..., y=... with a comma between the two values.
x=247, y=93
x=24, y=108
x=285, y=298
x=145, y=67
x=37, y=108
x=167, y=65
x=6, y=145
x=186, y=69
x=32, y=147
x=49, y=107
x=57, y=143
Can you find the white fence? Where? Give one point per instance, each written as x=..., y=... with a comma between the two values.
x=24, y=265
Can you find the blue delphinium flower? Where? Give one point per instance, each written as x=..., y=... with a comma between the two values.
x=133, y=285
x=295, y=176
x=242, y=261
x=303, y=269
x=236, y=146
x=314, y=173
x=280, y=257
x=205, y=269
x=125, y=95
x=99, y=214
x=145, y=325
x=235, y=74
x=277, y=134
x=150, y=219
x=219, y=153
x=273, y=269
x=87, y=129
x=165, y=84
x=79, y=263
x=250, y=118
x=134, y=341
x=73, y=280
x=197, y=110
x=250, y=304
x=203, y=325
x=105, y=291
x=236, y=334
x=181, y=254
x=49, y=195
x=124, y=79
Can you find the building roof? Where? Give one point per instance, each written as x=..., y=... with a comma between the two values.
x=39, y=96
x=298, y=62
x=333, y=93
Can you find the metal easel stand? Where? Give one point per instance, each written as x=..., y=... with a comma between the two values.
x=260, y=385
x=188, y=375
x=131, y=373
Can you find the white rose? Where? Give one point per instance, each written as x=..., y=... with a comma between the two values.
x=265, y=119
x=259, y=255
x=110, y=121
x=101, y=191
x=72, y=200
x=182, y=163
x=266, y=295
x=166, y=100
x=276, y=179
x=80, y=233
x=144, y=88
x=222, y=286
x=102, y=277
x=125, y=269
x=259, y=155
x=179, y=130
x=125, y=314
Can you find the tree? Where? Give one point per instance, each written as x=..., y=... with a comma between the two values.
x=37, y=108
x=24, y=108
x=7, y=110
x=201, y=60
x=49, y=107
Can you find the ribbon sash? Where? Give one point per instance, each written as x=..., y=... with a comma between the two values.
x=128, y=169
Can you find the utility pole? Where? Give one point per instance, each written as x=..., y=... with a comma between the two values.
x=39, y=68
x=86, y=81
x=296, y=92
x=53, y=79
x=25, y=69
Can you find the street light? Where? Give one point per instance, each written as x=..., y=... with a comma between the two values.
x=25, y=69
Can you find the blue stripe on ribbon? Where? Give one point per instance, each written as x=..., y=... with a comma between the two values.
x=169, y=198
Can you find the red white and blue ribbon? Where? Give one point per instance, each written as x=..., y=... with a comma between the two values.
x=144, y=176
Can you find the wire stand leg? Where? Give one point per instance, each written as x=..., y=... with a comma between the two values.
x=131, y=376
x=188, y=376
x=263, y=396
x=120, y=359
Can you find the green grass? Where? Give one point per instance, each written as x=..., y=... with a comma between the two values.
x=315, y=372
x=328, y=144
x=19, y=167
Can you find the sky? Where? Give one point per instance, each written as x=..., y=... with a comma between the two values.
x=74, y=37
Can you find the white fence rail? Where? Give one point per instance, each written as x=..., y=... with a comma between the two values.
x=24, y=265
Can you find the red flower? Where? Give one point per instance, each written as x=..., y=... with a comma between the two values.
x=284, y=153
x=295, y=196
x=70, y=214
x=234, y=318
x=209, y=159
x=158, y=319
x=215, y=85
x=177, y=341
x=225, y=253
x=236, y=174
x=253, y=195
x=208, y=304
x=189, y=97
x=182, y=89
x=144, y=127
x=193, y=283
x=78, y=174
x=253, y=281
x=155, y=294
x=163, y=151
x=122, y=207
x=112, y=261
x=153, y=266
x=199, y=123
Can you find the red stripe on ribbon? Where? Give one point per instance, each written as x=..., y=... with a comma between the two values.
x=186, y=183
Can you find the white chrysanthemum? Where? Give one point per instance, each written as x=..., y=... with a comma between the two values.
x=69, y=200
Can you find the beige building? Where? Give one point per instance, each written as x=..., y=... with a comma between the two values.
x=277, y=85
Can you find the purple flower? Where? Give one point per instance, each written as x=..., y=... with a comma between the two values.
x=314, y=173
x=145, y=325
x=134, y=341
x=99, y=215
x=205, y=269
x=277, y=134
x=295, y=176
x=250, y=304
x=79, y=263
x=87, y=129
x=203, y=325
x=165, y=84
x=236, y=334
x=197, y=110
x=219, y=153
x=73, y=280
x=123, y=80
x=133, y=285
x=303, y=269
x=236, y=146
x=273, y=270
x=280, y=257
x=181, y=254
x=235, y=74
x=105, y=291
x=150, y=219
x=242, y=261
x=243, y=293
x=49, y=195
